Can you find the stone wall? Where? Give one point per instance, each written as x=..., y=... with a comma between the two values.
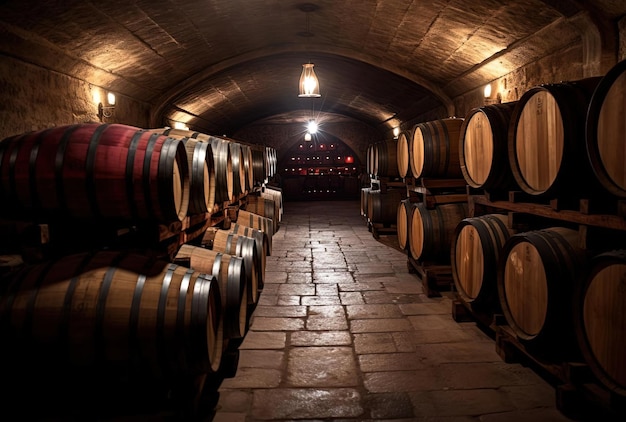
x=33, y=98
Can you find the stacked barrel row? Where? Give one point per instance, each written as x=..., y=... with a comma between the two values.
x=123, y=173
x=563, y=301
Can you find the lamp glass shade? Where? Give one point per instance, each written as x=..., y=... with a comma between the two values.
x=309, y=84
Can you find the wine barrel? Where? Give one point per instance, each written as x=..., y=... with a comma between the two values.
x=262, y=240
x=248, y=166
x=536, y=279
x=385, y=154
x=383, y=207
x=265, y=207
x=239, y=174
x=372, y=160
x=605, y=130
x=231, y=275
x=474, y=257
x=110, y=310
x=223, y=170
x=244, y=247
x=270, y=162
x=94, y=171
x=600, y=318
x=546, y=139
x=402, y=223
x=431, y=232
x=276, y=194
x=258, y=166
x=365, y=193
x=256, y=221
x=434, y=149
x=483, y=144
x=402, y=154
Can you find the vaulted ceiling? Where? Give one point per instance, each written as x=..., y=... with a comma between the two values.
x=219, y=65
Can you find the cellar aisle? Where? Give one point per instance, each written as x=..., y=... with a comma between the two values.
x=343, y=331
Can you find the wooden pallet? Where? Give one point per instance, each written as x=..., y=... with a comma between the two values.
x=435, y=277
x=463, y=311
x=379, y=229
x=578, y=394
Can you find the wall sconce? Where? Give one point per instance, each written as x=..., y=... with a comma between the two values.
x=396, y=132
x=488, y=92
x=106, y=111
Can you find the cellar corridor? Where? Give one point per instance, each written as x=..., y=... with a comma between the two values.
x=343, y=331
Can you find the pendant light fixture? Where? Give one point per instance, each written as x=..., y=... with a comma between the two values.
x=309, y=85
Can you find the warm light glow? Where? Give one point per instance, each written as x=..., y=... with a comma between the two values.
x=180, y=125
x=396, y=132
x=111, y=98
x=487, y=91
x=307, y=137
x=312, y=126
x=349, y=159
x=309, y=85
x=96, y=97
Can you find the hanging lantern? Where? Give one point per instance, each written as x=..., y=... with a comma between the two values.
x=309, y=85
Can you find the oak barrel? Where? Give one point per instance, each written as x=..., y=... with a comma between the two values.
x=248, y=166
x=431, y=231
x=434, y=149
x=600, y=319
x=231, y=275
x=223, y=170
x=402, y=154
x=402, y=223
x=382, y=207
x=484, y=145
x=94, y=171
x=264, y=206
x=244, y=247
x=606, y=125
x=262, y=240
x=109, y=310
x=256, y=221
x=536, y=279
x=546, y=142
x=385, y=154
x=239, y=171
x=474, y=257
x=258, y=166
x=365, y=192
x=276, y=194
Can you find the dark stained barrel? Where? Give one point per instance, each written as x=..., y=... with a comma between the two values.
x=434, y=149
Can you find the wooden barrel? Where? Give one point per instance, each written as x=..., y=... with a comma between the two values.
x=256, y=221
x=484, y=144
x=94, y=171
x=258, y=166
x=223, y=170
x=402, y=223
x=536, y=279
x=365, y=193
x=262, y=240
x=434, y=149
x=546, y=139
x=244, y=247
x=264, y=206
x=386, y=160
x=600, y=319
x=239, y=173
x=372, y=160
x=111, y=310
x=431, y=232
x=248, y=166
x=231, y=275
x=270, y=162
x=474, y=257
x=383, y=207
x=606, y=126
x=402, y=154
x=276, y=194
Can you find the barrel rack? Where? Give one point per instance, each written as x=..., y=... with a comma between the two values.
x=601, y=224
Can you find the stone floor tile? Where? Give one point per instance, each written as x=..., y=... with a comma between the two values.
x=300, y=277
x=320, y=300
x=351, y=298
x=296, y=289
x=276, y=324
x=253, y=378
x=530, y=396
x=308, y=403
x=324, y=323
x=426, y=379
x=538, y=415
x=326, y=290
x=321, y=367
x=269, y=359
x=408, y=341
x=380, y=362
x=288, y=301
x=280, y=311
x=277, y=277
x=332, y=277
x=386, y=311
x=266, y=299
x=374, y=343
x=235, y=401
x=389, y=405
x=317, y=338
x=424, y=309
x=330, y=311
x=263, y=340
x=380, y=325
x=460, y=402
x=229, y=417
x=458, y=352
x=360, y=286
x=433, y=322
x=377, y=268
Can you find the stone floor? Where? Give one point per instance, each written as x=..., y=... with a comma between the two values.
x=342, y=331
